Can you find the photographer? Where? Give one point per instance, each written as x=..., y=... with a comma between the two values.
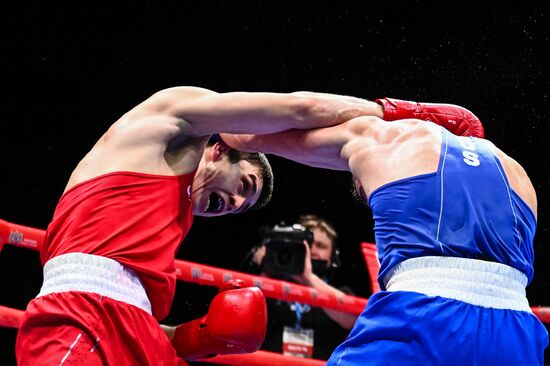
x=307, y=254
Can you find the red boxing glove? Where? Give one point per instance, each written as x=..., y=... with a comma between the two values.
x=236, y=323
x=454, y=118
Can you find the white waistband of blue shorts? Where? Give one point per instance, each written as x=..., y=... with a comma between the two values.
x=476, y=282
x=91, y=273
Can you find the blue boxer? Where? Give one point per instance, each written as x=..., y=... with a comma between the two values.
x=456, y=253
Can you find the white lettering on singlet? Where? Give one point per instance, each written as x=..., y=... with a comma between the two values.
x=470, y=156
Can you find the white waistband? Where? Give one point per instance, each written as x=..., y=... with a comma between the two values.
x=91, y=273
x=473, y=281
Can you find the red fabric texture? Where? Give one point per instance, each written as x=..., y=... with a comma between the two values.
x=76, y=328
x=134, y=218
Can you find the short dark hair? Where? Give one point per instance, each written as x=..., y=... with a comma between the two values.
x=258, y=160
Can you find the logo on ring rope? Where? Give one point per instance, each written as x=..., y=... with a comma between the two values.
x=16, y=237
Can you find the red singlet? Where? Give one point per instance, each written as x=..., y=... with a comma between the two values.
x=137, y=219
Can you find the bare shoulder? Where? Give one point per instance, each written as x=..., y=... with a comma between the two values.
x=382, y=152
x=383, y=132
x=517, y=177
x=152, y=121
x=403, y=136
x=155, y=111
x=146, y=139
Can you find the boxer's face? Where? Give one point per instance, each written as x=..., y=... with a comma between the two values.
x=221, y=187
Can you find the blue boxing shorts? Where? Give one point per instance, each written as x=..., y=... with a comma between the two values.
x=461, y=312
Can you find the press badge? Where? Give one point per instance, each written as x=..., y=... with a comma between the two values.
x=298, y=342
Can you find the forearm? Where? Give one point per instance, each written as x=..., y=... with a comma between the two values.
x=371, y=108
x=206, y=112
x=320, y=148
x=345, y=320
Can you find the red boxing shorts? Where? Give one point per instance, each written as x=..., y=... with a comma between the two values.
x=86, y=328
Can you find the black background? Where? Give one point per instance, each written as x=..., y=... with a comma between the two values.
x=69, y=71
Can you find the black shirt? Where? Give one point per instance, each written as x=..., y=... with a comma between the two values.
x=327, y=333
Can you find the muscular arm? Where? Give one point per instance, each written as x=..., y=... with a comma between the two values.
x=374, y=151
x=173, y=126
x=320, y=147
x=202, y=112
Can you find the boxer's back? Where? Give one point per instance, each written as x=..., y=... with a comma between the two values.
x=380, y=152
x=465, y=207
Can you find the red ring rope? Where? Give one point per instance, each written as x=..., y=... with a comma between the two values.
x=32, y=238
x=264, y=358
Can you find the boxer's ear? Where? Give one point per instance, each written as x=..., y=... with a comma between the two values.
x=219, y=149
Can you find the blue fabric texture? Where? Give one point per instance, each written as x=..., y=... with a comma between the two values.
x=465, y=209
x=408, y=328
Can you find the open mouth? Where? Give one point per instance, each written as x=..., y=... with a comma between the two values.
x=215, y=203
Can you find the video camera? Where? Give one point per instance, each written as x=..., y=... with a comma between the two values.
x=285, y=251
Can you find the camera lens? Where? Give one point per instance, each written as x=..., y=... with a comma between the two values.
x=284, y=258
x=285, y=251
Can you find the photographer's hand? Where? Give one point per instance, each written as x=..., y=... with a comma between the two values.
x=259, y=255
x=308, y=278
